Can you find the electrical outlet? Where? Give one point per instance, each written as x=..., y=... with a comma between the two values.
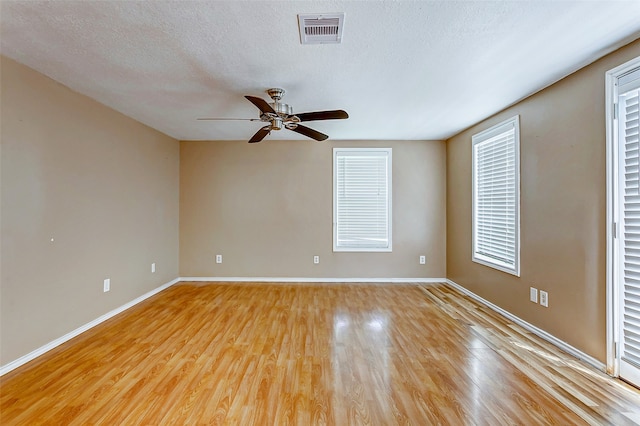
x=106, y=285
x=544, y=299
x=316, y=259
x=423, y=260
x=218, y=258
x=533, y=294
x=153, y=267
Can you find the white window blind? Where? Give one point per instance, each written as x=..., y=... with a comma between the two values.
x=629, y=133
x=362, y=199
x=496, y=198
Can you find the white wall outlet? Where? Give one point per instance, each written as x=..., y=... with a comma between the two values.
x=218, y=258
x=153, y=267
x=106, y=285
x=544, y=299
x=533, y=294
x=316, y=259
x=423, y=260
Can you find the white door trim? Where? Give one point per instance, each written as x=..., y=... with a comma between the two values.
x=611, y=77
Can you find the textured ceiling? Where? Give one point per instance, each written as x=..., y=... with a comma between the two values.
x=405, y=69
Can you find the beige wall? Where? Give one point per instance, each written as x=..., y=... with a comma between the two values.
x=267, y=208
x=563, y=209
x=103, y=186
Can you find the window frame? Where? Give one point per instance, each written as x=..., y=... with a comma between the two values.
x=389, y=247
x=487, y=135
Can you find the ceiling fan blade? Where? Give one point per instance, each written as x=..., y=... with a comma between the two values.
x=337, y=114
x=228, y=119
x=310, y=133
x=262, y=105
x=260, y=134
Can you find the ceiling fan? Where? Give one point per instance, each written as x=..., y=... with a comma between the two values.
x=280, y=115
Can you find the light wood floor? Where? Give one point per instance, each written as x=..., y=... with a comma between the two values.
x=260, y=354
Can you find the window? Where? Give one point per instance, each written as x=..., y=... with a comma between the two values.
x=362, y=199
x=623, y=220
x=496, y=196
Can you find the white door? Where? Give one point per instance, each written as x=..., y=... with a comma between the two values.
x=628, y=287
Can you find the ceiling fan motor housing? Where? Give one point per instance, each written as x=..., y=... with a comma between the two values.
x=282, y=109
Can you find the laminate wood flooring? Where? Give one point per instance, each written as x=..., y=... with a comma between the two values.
x=299, y=354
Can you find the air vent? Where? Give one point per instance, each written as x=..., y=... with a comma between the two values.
x=321, y=28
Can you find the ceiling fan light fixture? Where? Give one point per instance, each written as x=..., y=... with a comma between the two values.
x=276, y=124
x=321, y=28
x=282, y=109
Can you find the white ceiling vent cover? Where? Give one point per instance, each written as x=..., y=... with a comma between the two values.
x=321, y=28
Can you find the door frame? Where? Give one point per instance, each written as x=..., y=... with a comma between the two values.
x=613, y=305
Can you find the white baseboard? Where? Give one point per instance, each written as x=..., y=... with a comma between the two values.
x=313, y=280
x=4, y=369
x=532, y=328
x=43, y=349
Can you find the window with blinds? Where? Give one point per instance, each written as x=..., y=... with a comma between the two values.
x=362, y=199
x=496, y=196
x=629, y=199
